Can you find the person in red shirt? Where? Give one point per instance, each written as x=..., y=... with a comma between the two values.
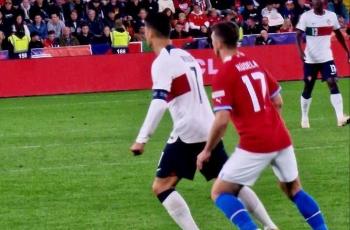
x=196, y=19
x=213, y=17
x=51, y=40
x=183, y=6
x=246, y=93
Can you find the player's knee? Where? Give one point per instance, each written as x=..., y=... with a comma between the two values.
x=291, y=188
x=157, y=188
x=333, y=86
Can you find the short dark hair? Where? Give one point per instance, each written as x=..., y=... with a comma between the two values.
x=228, y=32
x=160, y=23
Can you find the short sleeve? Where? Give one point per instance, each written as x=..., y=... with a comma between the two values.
x=222, y=86
x=336, y=25
x=161, y=76
x=302, y=23
x=272, y=84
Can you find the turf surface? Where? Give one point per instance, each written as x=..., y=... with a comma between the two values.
x=65, y=164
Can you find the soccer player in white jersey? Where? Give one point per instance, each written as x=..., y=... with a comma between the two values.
x=318, y=25
x=178, y=86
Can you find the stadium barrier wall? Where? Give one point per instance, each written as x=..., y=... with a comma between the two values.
x=103, y=73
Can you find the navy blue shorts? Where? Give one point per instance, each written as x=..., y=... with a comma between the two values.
x=179, y=159
x=327, y=70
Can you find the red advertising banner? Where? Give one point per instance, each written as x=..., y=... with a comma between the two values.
x=132, y=71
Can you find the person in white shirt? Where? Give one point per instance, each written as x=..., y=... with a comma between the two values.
x=318, y=25
x=178, y=86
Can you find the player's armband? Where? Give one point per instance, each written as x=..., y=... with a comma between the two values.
x=160, y=94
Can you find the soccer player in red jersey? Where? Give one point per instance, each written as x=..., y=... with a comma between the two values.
x=318, y=25
x=178, y=86
x=245, y=93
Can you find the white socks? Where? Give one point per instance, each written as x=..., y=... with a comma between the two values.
x=179, y=211
x=337, y=102
x=305, y=106
x=255, y=207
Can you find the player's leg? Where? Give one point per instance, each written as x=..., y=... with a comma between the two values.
x=246, y=194
x=243, y=168
x=329, y=74
x=173, y=202
x=310, y=76
x=285, y=168
x=169, y=172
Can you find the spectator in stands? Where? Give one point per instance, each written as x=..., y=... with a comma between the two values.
x=141, y=17
x=35, y=41
x=164, y=4
x=140, y=35
x=223, y=5
x=2, y=25
x=183, y=6
x=24, y=9
x=3, y=41
x=133, y=7
x=288, y=11
x=299, y=9
x=183, y=21
x=151, y=6
x=94, y=23
x=250, y=11
x=85, y=37
x=120, y=38
x=128, y=27
x=213, y=17
x=74, y=23
x=38, y=26
x=110, y=19
x=20, y=25
x=178, y=32
x=57, y=7
x=51, y=40
x=55, y=24
x=39, y=7
x=196, y=19
x=80, y=8
x=97, y=7
x=9, y=13
x=338, y=7
x=287, y=26
x=265, y=26
x=67, y=39
x=251, y=27
x=204, y=5
x=105, y=38
x=168, y=12
x=269, y=9
x=264, y=39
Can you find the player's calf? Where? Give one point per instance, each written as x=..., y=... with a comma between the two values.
x=307, y=206
x=224, y=195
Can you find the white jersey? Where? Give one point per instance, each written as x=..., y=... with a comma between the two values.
x=318, y=30
x=177, y=72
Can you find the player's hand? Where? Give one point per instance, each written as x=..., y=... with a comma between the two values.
x=202, y=158
x=137, y=148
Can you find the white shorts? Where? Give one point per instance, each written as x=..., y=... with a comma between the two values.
x=245, y=167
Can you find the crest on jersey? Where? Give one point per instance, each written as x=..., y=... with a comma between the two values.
x=217, y=95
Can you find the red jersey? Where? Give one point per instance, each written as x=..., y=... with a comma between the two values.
x=243, y=87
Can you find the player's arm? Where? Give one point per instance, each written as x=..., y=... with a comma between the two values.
x=341, y=40
x=300, y=41
x=277, y=102
x=300, y=29
x=222, y=118
x=155, y=113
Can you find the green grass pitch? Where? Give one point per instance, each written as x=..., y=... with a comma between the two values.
x=65, y=164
